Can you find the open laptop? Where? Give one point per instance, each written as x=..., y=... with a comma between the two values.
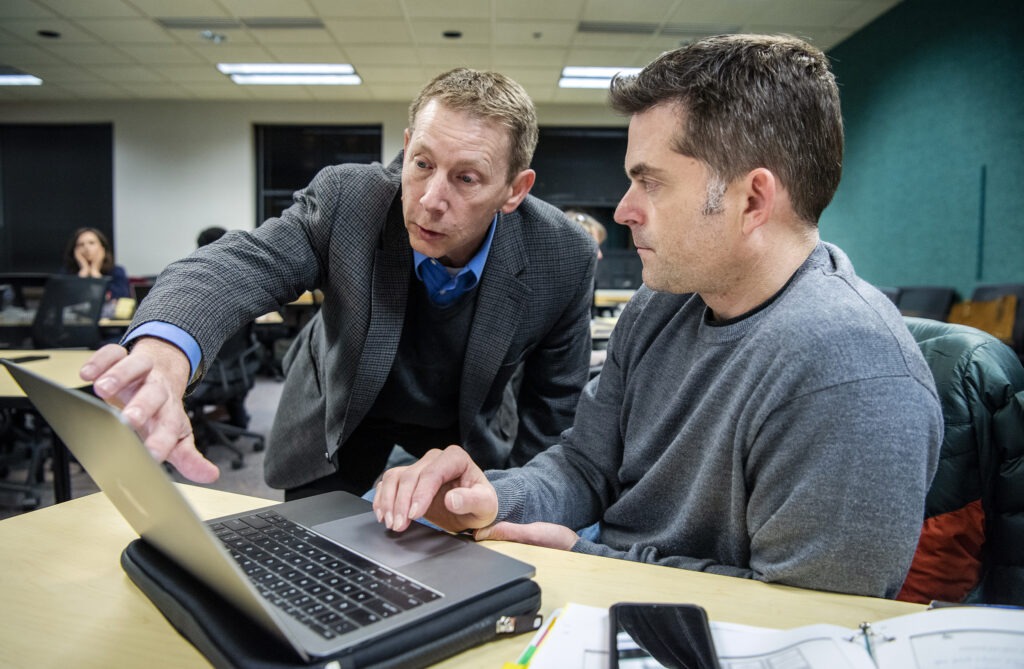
x=381, y=582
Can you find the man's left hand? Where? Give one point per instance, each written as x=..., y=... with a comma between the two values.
x=548, y=535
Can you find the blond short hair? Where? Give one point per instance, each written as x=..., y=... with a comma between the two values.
x=491, y=96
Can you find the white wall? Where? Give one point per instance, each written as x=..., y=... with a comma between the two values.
x=180, y=167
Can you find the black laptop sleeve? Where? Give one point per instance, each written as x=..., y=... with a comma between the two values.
x=228, y=639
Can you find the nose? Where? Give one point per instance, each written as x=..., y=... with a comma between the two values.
x=435, y=195
x=627, y=213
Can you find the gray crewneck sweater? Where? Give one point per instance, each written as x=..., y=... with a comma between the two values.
x=794, y=445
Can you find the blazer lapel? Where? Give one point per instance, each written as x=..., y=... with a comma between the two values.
x=391, y=267
x=500, y=304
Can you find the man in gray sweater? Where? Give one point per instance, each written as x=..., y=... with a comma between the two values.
x=763, y=412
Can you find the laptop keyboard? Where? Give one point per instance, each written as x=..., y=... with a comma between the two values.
x=327, y=587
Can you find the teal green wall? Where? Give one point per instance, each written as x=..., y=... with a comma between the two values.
x=932, y=93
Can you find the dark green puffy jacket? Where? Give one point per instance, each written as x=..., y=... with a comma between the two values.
x=980, y=382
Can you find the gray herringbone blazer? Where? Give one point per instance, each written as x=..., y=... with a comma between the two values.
x=532, y=309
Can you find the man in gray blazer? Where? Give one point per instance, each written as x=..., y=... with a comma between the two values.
x=441, y=276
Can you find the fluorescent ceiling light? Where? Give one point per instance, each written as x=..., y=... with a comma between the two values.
x=297, y=79
x=291, y=74
x=19, y=80
x=286, y=68
x=591, y=77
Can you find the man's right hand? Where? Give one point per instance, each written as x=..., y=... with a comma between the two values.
x=446, y=487
x=148, y=385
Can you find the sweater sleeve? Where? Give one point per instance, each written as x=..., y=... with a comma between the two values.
x=835, y=490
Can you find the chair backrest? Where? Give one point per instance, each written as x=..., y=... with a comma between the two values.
x=992, y=291
x=931, y=302
x=232, y=373
x=69, y=313
x=970, y=545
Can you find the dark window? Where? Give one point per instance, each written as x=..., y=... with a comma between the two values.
x=289, y=156
x=54, y=179
x=581, y=168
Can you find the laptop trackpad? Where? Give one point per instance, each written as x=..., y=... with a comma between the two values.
x=363, y=534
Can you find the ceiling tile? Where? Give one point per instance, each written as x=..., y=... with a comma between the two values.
x=58, y=74
x=382, y=55
x=358, y=8
x=430, y=31
x=381, y=74
x=194, y=37
x=449, y=8
x=180, y=8
x=534, y=33
x=270, y=36
x=313, y=53
x=127, y=73
x=69, y=32
x=614, y=41
x=269, y=8
x=197, y=74
x=600, y=57
x=525, y=57
x=89, y=54
x=714, y=12
x=162, y=55
x=369, y=31
x=23, y=9
x=533, y=76
x=23, y=55
x=233, y=53
x=547, y=10
x=450, y=57
x=127, y=31
x=617, y=10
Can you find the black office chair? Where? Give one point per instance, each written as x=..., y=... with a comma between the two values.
x=931, y=302
x=69, y=313
x=215, y=406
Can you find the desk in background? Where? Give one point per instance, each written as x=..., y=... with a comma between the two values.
x=60, y=365
x=62, y=573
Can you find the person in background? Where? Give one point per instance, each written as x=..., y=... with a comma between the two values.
x=89, y=255
x=763, y=412
x=441, y=277
x=593, y=227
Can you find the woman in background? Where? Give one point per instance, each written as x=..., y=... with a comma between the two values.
x=89, y=255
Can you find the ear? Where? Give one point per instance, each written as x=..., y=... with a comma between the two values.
x=405, y=139
x=520, y=188
x=761, y=195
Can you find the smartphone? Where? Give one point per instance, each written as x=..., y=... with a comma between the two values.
x=652, y=636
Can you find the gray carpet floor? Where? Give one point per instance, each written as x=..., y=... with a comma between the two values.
x=261, y=404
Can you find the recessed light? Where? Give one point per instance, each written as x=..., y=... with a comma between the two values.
x=48, y=34
x=452, y=34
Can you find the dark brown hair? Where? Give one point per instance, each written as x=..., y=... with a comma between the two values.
x=71, y=265
x=491, y=96
x=749, y=101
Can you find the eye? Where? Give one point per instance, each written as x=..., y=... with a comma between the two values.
x=467, y=179
x=422, y=164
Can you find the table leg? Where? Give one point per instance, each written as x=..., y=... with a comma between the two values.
x=61, y=472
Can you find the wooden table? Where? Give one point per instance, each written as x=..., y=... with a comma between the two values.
x=60, y=365
x=61, y=576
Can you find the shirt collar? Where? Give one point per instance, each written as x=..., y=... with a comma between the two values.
x=475, y=264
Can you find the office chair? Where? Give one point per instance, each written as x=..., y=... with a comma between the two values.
x=69, y=313
x=227, y=382
x=994, y=291
x=931, y=302
x=972, y=542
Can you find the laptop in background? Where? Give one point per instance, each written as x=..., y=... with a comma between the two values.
x=357, y=582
